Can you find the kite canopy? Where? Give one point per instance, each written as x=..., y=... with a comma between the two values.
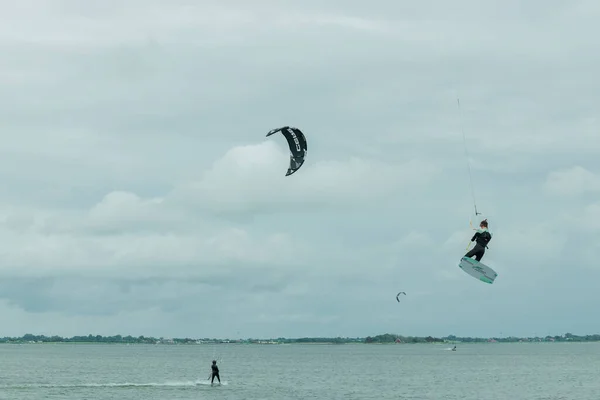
x=398, y=295
x=298, y=146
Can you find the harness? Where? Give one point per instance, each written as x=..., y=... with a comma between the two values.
x=482, y=238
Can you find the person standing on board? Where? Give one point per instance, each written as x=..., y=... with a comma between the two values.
x=481, y=238
x=215, y=372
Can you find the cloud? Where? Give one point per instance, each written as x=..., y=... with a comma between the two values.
x=573, y=181
x=142, y=255
x=127, y=209
x=592, y=214
x=413, y=239
x=584, y=220
x=251, y=179
x=137, y=187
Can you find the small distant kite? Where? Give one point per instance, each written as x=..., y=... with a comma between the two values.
x=298, y=146
x=398, y=295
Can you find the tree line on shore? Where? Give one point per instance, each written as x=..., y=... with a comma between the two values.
x=378, y=339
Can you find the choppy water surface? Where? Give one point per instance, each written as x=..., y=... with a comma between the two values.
x=147, y=372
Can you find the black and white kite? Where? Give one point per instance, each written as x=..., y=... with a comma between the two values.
x=298, y=146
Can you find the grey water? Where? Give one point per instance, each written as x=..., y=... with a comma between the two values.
x=484, y=371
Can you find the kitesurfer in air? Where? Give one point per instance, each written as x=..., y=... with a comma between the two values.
x=481, y=238
x=215, y=372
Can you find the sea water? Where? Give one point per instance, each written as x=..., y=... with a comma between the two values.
x=503, y=371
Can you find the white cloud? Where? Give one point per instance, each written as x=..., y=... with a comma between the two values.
x=592, y=213
x=141, y=254
x=251, y=178
x=135, y=166
x=583, y=220
x=125, y=208
x=414, y=239
x=532, y=244
x=573, y=181
x=361, y=24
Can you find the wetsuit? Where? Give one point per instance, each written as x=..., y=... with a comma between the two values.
x=215, y=373
x=481, y=238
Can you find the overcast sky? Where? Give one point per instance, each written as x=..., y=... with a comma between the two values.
x=139, y=194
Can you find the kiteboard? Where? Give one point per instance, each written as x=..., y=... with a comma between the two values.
x=477, y=270
x=207, y=383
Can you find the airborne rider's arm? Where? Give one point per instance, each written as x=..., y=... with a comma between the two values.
x=475, y=229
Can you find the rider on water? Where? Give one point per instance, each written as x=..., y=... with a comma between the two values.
x=481, y=238
x=215, y=372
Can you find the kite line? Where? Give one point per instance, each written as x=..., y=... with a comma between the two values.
x=467, y=156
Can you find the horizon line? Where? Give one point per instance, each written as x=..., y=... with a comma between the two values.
x=451, y=337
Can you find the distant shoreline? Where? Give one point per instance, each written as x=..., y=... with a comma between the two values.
x=13, y=343
x=379, y=339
